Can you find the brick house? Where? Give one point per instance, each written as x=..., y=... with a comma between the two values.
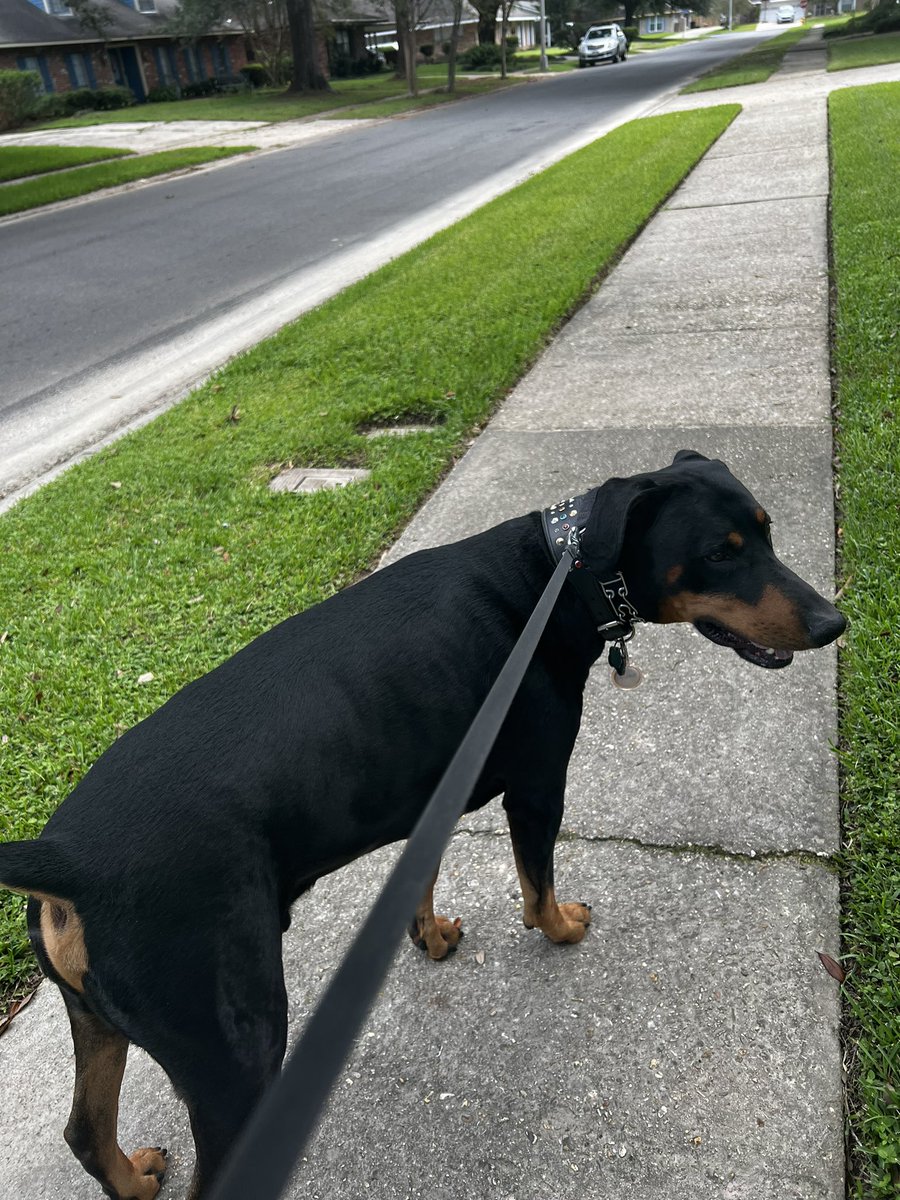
x=133, y=49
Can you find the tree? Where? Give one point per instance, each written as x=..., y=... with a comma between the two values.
x=487, y=20
x=457, y=12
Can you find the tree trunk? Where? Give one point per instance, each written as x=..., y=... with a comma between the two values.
x=307, y=73
x=454, y=45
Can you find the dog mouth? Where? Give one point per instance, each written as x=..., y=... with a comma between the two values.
x=760, y=656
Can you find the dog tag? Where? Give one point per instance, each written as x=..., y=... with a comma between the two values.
x=631, y=677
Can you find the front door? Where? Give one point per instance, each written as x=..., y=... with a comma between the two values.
x=127, y=70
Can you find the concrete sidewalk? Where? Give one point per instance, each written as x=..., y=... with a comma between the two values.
x=689, y=1046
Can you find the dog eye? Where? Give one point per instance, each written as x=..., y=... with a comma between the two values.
x=717, y=556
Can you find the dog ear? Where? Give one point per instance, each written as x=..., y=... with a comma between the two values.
x=682, y=455
x=616, y=503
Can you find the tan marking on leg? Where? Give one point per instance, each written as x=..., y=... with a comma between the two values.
x=774, y=621
x=560, y=922
x=438, y=934
x=100, y=1054
x=63, y=936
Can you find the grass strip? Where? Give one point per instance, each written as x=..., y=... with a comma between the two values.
x=754, y=66
x=148, y=564
x=32, y=193
x=17, y=162
x=867, y=51
x=865, y=222
x=402, y=104
x=264, y=104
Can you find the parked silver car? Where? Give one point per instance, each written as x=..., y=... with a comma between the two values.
x=602, y=43
x=785, y=15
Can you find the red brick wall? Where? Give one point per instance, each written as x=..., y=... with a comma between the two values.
x=103, y=75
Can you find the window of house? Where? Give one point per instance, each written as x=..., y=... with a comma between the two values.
x=58, y=8
x=221, y=63
x=193, y=64
x=81, y=71
x=37, y=62
x=656, y=24
x=166, y=65
x=146, y=6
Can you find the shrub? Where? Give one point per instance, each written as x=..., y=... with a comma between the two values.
x=391, y=56
x=160, y=95
x=512, y=42
x=20, y=97
x=255, y=74
x=201, y=87
x=107, y=99
x=426, y=51
x=632, y=33
x=485, y=57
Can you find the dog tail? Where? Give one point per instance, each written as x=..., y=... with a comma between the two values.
x=36, y=868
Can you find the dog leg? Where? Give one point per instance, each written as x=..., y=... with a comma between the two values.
x=436, y=935
x=100, y=1054
x=533, y=826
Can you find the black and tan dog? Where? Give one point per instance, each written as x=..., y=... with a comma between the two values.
x=160, y=889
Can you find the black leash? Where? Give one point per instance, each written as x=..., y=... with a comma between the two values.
x=276, y=1134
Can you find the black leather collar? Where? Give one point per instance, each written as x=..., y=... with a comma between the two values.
x=607, y=599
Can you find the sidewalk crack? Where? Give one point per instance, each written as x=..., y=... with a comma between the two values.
x=797, y=856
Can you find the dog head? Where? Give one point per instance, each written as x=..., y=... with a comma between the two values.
x=694, y=545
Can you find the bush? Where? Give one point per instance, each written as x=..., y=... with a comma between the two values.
x=161, y=95
x=485, y=57
x=21, y=93
x=426, y=51
x=391, y=56
x=200, y=87
x=256, y=74
x=512, y=42
x=632, y=33
x=107, y=99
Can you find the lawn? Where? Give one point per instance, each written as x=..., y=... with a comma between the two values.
x=64, y=185
x=865, y=221
x=149, y=563
x=429, y=99
x=18, y=162
x=754, y=66
x=266, y=104
x=865, y=51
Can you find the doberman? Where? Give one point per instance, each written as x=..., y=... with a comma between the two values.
x=159, y=891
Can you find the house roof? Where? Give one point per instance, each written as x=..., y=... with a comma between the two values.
x=23, y=23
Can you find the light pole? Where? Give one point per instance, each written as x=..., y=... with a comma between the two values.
x=543, y=61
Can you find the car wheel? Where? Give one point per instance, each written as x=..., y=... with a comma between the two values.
x=581, y=64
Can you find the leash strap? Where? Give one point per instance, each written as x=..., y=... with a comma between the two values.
x=288, y=1113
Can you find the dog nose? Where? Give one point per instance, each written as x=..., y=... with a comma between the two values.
x=825, y=625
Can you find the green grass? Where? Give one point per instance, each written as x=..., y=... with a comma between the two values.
x=402, y=104
x=867, y=51
x=64, y=185
x=166, y=552
x=18, y=162
x=266, y=104
x=865, y=239
x=753, y=67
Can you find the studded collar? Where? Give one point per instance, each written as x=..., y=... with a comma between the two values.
x=607, y=600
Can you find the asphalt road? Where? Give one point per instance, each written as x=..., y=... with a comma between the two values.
x=111, y=308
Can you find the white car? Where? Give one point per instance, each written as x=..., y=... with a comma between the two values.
x=785, y=14
x=602, y=43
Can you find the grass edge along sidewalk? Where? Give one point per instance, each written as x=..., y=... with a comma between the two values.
x=19, y=162
x=151, y=562
x=754, y=66
x=66, y=185
x=865, y=226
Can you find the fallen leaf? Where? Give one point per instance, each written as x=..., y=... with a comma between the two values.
x=834, y=968
x=479, y=957
x=147, y=677
x=117, y=484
